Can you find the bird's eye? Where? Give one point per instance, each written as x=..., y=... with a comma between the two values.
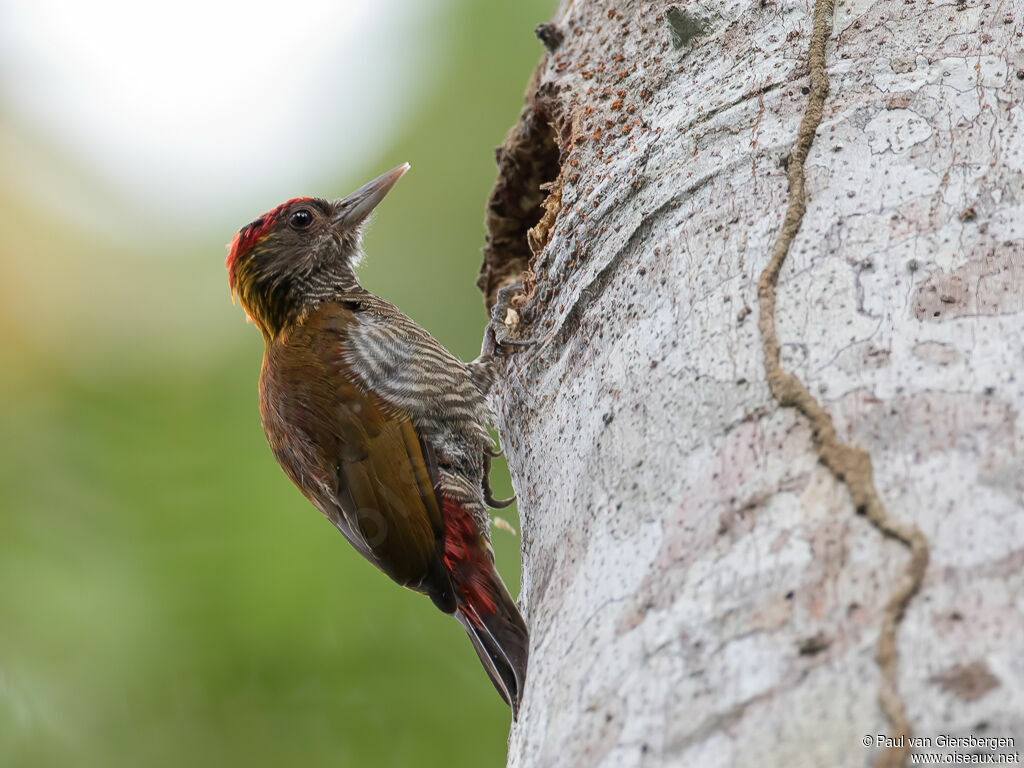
x=301, y=219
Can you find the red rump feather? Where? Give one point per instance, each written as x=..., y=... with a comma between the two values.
x=252, y=233
x=468, y=562
x=485, y=610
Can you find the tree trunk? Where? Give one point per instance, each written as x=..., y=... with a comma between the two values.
x=767, y=448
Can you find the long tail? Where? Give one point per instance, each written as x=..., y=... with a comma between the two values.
x=485, y=609
x=502, y=643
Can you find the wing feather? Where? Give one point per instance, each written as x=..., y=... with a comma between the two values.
x=356, y=456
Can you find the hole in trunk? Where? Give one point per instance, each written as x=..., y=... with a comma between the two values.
x=527, y=195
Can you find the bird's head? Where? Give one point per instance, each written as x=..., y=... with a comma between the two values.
x=302, y=252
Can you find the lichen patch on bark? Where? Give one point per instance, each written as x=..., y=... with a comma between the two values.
x=989, y=283
x=968, y=682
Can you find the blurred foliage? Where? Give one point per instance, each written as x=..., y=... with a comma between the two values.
x=168, y=597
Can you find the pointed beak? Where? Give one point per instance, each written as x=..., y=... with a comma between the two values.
x=352, y=210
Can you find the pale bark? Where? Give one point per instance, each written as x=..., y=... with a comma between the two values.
x=707, y=579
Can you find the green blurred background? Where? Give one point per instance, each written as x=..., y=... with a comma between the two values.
x=167, y=598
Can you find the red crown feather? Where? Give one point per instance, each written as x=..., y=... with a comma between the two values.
x=252, y=233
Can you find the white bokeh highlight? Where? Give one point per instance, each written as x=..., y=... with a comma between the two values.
x=184, y=106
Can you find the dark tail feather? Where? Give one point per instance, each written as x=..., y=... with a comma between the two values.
x=501, y=641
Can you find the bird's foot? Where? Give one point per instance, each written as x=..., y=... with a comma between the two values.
x=485, y=486
x=498, y=338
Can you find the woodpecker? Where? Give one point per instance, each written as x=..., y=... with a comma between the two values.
x=379, y=426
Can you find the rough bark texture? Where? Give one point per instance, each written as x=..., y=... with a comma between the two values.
x=768, y=449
